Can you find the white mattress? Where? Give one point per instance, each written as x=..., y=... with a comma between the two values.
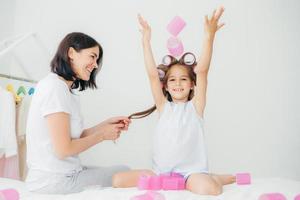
x=289, y=188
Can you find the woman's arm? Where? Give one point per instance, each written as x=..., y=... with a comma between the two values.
x=152, y=72
x=64, y=145
x=211, y=26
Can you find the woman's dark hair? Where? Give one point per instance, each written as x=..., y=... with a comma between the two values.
x=163, y=70
x=61, y=65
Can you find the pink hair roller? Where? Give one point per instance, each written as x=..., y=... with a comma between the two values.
x=161, y=73
x=243, y=179
x=150, y=195
x=272, y=196
x=176, y=25
x=297, y=197
x=175, y=46
x=9, y=194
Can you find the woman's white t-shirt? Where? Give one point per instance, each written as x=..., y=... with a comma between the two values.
x=52, y=95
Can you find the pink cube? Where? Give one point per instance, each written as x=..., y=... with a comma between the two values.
x=149, y=183
x=169, y=184
x=175, y=46
x=176, y=25
x=243, y=178
x=143, y=182
x=150, y=195
x=169, y=181
x=156, y=195
x=142, y=197
x=181, y=184
x=9, y=194
x=172, y=181
x=155, y=183
x=272, y=196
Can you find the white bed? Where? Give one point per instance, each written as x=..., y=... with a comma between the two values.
x=289, y=188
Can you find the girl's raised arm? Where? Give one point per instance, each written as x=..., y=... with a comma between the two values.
x=150, y=64
x=211, y=26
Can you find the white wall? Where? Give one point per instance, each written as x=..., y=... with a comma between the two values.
x=253, y=110
x=7, y=10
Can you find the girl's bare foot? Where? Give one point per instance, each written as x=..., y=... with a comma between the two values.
x=223, y=179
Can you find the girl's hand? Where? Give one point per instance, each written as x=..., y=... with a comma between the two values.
x=211, y=25
x=145, y=29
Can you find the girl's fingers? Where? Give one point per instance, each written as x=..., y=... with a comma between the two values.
x=140, y=18
x=220, y=26
x=219, y=13
x=143, y=22
x=206, y=19
x=213, y=14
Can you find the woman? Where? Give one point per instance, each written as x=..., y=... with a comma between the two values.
x=55, y=134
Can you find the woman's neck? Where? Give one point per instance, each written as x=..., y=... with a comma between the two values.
x=69, y=83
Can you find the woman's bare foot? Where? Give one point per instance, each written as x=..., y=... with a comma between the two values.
x=223, y=179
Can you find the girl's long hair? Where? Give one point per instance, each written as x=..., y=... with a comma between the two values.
x=163, y=70
x=145, y=113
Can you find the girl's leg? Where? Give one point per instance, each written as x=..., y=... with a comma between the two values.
x=203, y=184
x=207, y=184
x=129, y=178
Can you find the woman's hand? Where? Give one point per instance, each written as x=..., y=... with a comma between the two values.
x=111, y=128
x=145, y=29
x=211, y=25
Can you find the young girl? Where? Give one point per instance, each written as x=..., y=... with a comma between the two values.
x=179, y=91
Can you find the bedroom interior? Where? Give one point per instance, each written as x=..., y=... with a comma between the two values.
x=251, y=120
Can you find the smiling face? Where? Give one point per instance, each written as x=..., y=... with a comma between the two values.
x=179, y=83
x=84, y=61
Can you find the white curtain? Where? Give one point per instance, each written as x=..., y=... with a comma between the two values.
x=9, y=164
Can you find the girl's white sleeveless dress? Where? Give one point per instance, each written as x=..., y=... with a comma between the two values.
x=178, y=144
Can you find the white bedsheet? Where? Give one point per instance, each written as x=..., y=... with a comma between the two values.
x=289, y=188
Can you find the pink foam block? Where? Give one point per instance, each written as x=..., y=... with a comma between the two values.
x=170, y=181
x=143, y=182
x=175, y=46
x=243, y=178
x=176, y=25
x=155, y=183
x=297, y=197
x=150, y=195
x=173, y=183
x=149, y=183
x=9, y=194
x=272, y=196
